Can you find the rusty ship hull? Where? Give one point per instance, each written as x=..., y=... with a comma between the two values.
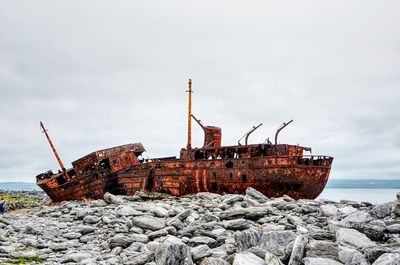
x=272, y=168
x=298, y=177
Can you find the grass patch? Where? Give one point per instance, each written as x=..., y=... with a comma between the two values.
x=23, y=260
x=10, y=199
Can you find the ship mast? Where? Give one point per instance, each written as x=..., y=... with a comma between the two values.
x=54, y=151
x=189, y=142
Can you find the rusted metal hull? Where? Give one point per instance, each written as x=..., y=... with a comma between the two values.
x=274, y=170
x=273, y=176
x=89, y=186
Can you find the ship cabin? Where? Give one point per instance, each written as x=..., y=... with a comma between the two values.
x=104, y=161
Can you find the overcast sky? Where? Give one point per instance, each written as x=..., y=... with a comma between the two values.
x=105, y=73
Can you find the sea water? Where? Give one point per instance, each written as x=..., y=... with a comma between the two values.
x=359, y=194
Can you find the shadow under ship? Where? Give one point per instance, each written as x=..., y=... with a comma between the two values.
x=271, y=168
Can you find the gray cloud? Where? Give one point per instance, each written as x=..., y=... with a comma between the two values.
x=101, y=74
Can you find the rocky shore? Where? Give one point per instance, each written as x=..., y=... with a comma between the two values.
x=206, y=229
x=23, y=199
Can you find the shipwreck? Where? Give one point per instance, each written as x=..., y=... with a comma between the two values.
x=272, y=168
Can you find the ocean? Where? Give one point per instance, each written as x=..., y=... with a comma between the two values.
x=365, y=190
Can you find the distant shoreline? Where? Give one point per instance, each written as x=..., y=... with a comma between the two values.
x=332, y=183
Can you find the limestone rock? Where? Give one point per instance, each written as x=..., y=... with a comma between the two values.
x=255, y=194
x=126, y=210
x=352, y=238
x=359, y=259
x=298, y=250
x=120, y=241
x=247, y=258
x=382, y=210
x=148, y=222
x=329, y=210
x=112, y=199
x=200, y=252
x=388, y=259
x=320, y=261
x=173, y=253
x=275, y=242
x=91, y=219
x=271, y=259
x=322, y=249
x=356, y=217
x=201, y=240
x=214, y=261
x=75, y=257
x=346, y=254
x=139, y=258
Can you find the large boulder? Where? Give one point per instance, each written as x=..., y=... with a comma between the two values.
x=352, y=238
x=275, y=242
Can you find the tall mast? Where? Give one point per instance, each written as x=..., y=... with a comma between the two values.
x=54, y=150
x=189, y=143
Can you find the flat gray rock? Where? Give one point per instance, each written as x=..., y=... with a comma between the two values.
x=91, y=219
x=356, y=217
x=388, y=259
x=214, y=261
x=127, y=210
x=322, y=249
x=113, y=199
x=120, y=240
x=382, y=210
x=75, y=257
x=329, y=210
x=247, y=258
x=347, y=254
x=149, y=222
x=200, y=252
x=352, y=238
x=255, y=194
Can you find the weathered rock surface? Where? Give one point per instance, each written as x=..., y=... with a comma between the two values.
x=353, y=239
x=247, y=258
x=388, y=259
x=205, y=228
x=320, y=261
